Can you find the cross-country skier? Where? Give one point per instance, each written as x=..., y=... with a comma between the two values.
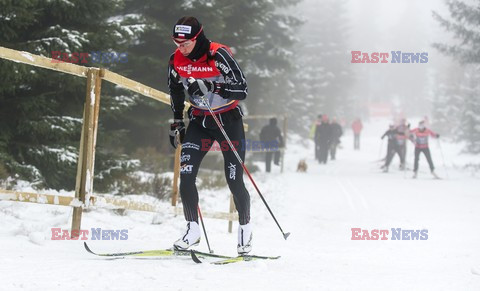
x=392, y=146
x=419, y=136
x=403, y=130
x=217, y=77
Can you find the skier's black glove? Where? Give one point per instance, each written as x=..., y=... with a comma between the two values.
x=202, y=87
x=438, y=135
x=177, y=132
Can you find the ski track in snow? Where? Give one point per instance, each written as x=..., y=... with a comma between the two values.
x=319, y=208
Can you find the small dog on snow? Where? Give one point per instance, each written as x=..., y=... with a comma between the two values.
x=302, y=166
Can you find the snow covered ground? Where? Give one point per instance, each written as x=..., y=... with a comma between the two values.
x=319, y=208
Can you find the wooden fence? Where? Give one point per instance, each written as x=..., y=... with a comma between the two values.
x=84, y=195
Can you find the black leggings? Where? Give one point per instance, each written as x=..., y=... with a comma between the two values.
x=323, y=152
x=393, y=149
x=426, y=152
x=198, y=140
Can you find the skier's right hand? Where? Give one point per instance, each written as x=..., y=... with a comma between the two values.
x=200, y=87
x=177, y=132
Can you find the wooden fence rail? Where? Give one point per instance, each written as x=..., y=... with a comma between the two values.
x=104, y=202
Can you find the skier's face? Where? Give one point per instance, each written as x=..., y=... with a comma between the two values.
x=186, y=47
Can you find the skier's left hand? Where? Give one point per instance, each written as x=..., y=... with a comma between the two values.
x=438, y=136
x=200, y=87
x=177, y=132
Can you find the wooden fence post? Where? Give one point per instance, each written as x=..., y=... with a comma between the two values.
x=232, y=209
x=86, y=156
x=176, y=174
x=284, y=141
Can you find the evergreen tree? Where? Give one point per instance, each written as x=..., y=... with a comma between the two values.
x=447, y=100
x=260, y=34
x=465, y=26
x=323, y=71
x=469, y=128
x=41, y=110
x=146, y=123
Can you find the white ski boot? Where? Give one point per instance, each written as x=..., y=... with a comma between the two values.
x=435, y=175
x=190, y=238
x=414, y=175
x=244, y=245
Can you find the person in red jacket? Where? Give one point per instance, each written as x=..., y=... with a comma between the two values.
x=419, y=136
x=207, y=71
x=357, y=127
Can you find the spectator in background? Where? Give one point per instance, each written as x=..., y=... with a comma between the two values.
x=313, y=133
x=357, y=127
x=271, y=134
x=323, y=137
x=337, y=132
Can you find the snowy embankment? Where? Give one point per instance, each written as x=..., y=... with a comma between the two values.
x=319, y=208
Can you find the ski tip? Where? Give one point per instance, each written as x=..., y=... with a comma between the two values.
x=87, y=248
x=194, y=257
x=286, y=235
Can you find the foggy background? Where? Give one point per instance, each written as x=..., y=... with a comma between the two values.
x=381, y=26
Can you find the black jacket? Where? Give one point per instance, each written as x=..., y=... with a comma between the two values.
x=323, y=133
x=271, y=132
x=235, y=86
x=337, y=132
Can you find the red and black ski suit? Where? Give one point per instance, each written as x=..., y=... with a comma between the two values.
x=420, y=138
x=218, y=66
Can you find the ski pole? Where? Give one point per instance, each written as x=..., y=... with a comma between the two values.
x=204, y=230
x=205, y=102
x=443, y=158
x=380, y=150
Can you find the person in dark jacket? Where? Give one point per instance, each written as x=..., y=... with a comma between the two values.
x=402, y=133
x=271, y=136
x=337, y=132
x=317, y=145
x=323, y=137
x=208, y=72
x=392, y=146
